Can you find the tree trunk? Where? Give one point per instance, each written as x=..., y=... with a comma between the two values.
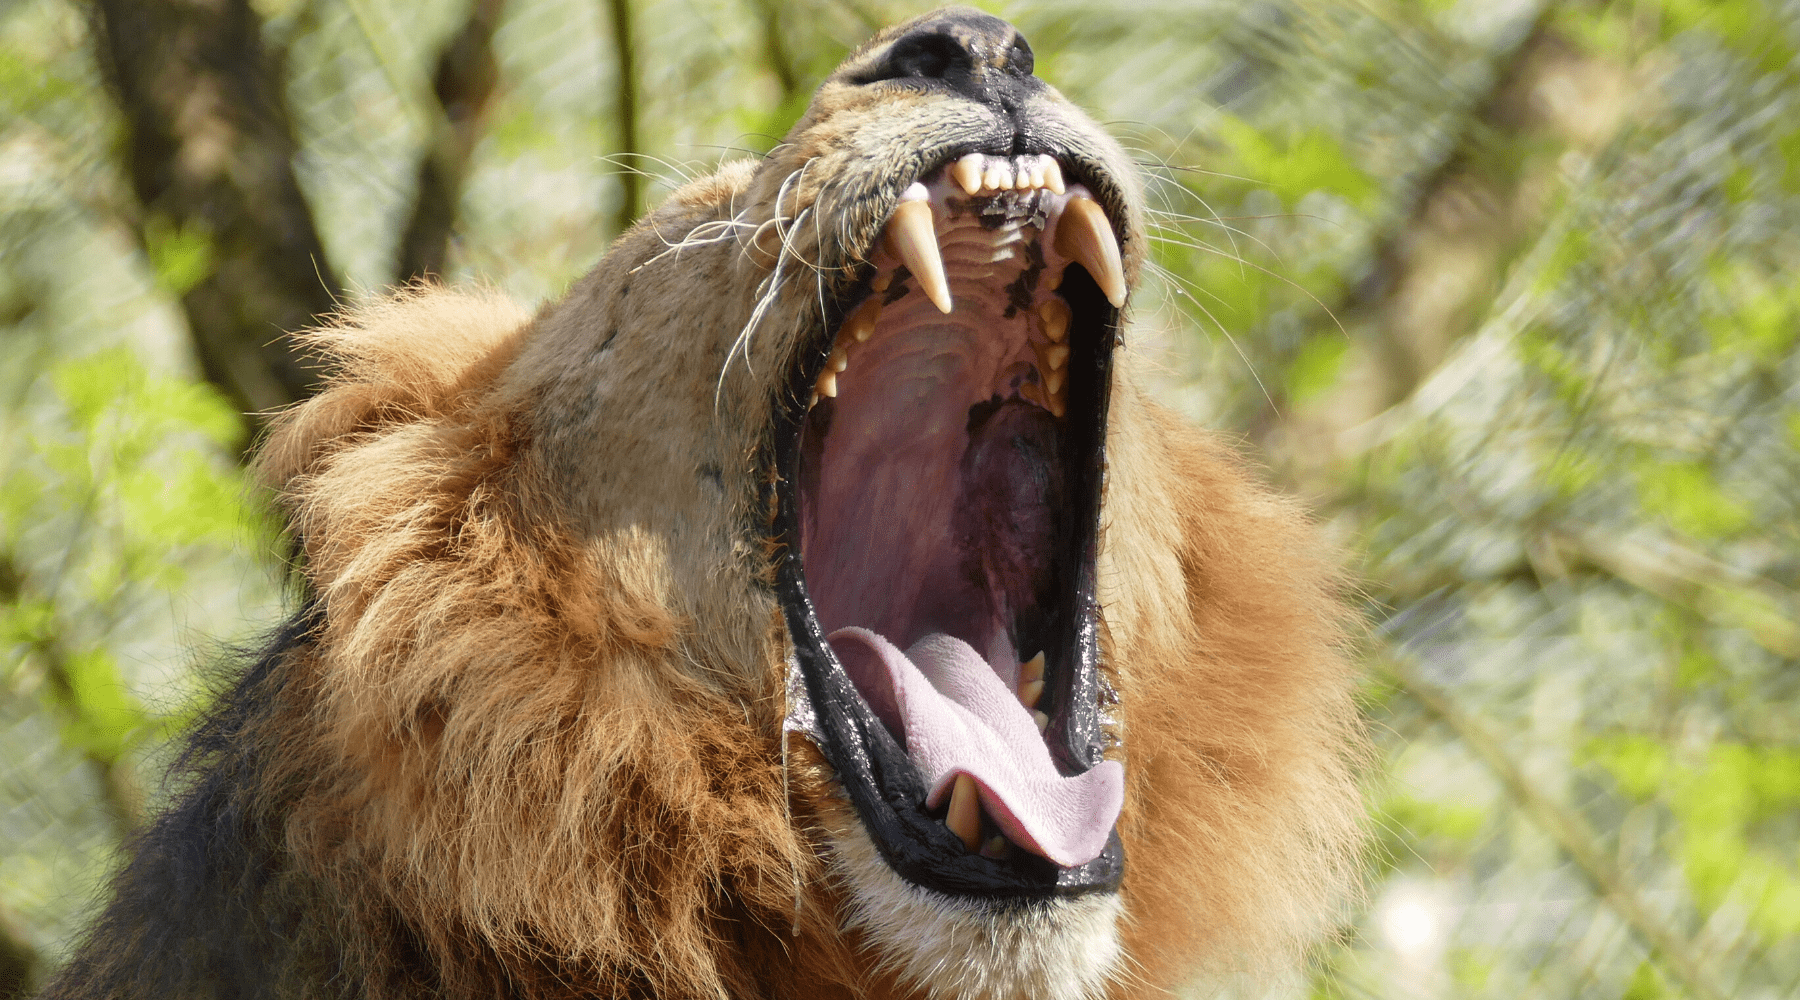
x=211, y=153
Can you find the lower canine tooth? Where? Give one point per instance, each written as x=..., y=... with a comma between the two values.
x=964, y=815
x=1084, y=236
x=913, y=238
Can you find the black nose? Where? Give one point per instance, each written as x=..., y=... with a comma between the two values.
x=973, y=53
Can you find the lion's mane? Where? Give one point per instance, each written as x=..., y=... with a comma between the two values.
x=526, y=736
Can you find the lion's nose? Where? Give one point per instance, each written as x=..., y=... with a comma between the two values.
x=977, y=54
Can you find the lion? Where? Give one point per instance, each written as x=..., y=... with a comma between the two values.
x=810, y=604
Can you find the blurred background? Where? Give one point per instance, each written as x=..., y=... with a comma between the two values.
x=1507, y=289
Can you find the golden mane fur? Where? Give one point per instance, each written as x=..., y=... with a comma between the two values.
x=534, y=737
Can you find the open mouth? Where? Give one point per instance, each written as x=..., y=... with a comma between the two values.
x=939, y=473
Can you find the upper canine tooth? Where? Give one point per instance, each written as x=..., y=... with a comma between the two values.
x=1084, y=236
x=1053, y=178
x=966, y=172
x=914, y=240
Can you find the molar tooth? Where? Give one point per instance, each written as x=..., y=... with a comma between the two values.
x=1053, y=178
x=1053, y=279
x=1055, y=314
x=914, y=240
x=814, y=401
x=1030, y=692
x=827, y=384
x=861, y=322
x=1053, y=382
x=839, y=359
x=1032, y=669
x=964, y=815
x=1056, y=404
x=1057, y=355
x=1084, y=236
x=995, y=847
x=966, y=172
x=881, y=282
x=1042, y=720
x=1031, y=392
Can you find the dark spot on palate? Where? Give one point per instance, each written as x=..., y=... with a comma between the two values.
x=898, y=289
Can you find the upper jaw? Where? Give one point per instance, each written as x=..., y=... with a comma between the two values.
x=1072, y=305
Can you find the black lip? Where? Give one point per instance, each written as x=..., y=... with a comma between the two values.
x=883, y=785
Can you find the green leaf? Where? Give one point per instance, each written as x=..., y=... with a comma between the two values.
x=1686, y=495
x=91, y=386
x=1306, y=162
x=182, y=256
x=1315, y=369
x=105, y=719
x=1639, y=764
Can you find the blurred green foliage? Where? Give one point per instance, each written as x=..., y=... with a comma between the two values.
x=1505, y=288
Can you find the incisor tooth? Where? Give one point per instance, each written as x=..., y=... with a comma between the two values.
x=1055, y=314
x=964, y=816
x=827, y=384
x=966, y=172
x=1053, y=178
x=997, y=176
x=1084, y=236
x=913, y=239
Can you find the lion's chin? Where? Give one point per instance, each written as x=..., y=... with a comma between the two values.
x=1059, y=948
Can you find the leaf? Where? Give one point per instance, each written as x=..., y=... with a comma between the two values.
x=105, y=719
x=182, y=256
x=1686, y=495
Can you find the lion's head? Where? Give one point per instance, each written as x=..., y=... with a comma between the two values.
x=811, y=599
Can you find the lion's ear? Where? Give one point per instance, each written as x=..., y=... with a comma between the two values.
x=424, y=352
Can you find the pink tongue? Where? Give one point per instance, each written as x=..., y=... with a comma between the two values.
x=957, y=717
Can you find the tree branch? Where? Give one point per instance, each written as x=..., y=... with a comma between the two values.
x=1568, y=829
x=463, y=85
x=211, y=152
x=625, y=113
